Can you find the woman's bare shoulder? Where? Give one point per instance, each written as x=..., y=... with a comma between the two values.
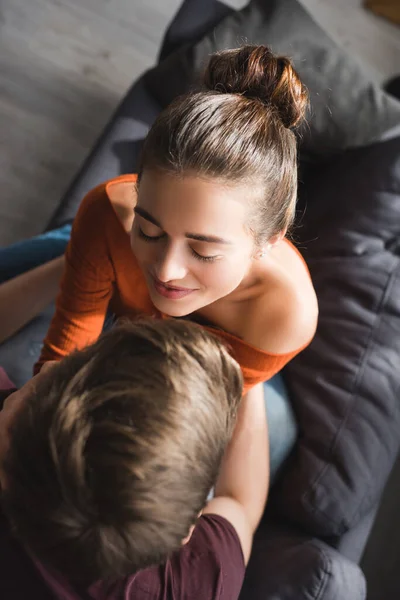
x=283, y=318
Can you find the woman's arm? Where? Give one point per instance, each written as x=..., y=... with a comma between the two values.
x=242, y=485
x=87, y=282
x=25, y=296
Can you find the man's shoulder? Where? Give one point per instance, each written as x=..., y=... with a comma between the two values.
x=216, y=534
x=210, y=566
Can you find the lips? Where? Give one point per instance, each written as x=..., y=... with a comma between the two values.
x=170, y=292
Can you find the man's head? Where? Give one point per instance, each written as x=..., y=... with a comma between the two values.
x=113, y=451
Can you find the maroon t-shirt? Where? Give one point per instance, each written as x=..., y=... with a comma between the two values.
x=209, y=567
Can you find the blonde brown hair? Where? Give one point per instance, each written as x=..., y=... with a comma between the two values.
x=114, y=454
x=239, y=130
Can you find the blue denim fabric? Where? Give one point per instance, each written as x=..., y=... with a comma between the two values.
x=282, y=425
x=28, y=254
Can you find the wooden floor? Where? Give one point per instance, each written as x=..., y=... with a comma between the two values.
x=64, y=65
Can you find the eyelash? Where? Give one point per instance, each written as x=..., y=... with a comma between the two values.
x=203, y=258
x=150, y=238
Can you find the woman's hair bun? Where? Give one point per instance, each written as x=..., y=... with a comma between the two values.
x=256, y=73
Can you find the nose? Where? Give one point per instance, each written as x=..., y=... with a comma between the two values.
x=171, y=264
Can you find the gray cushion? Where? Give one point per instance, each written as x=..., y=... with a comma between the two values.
x=346, y=386
x=117, y=151
x=346, y=108
x=286, y=565
x=193, y=19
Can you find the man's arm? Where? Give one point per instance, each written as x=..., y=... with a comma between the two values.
x=242, y=485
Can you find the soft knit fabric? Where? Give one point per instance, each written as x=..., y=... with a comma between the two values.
x=101, y=272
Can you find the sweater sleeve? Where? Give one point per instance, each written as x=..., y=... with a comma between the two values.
x=87, y=282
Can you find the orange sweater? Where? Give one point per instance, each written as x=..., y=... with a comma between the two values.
x=101, y=271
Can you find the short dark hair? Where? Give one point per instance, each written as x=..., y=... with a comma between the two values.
x=238, y=129
x=113, y=456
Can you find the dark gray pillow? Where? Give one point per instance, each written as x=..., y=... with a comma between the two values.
x=286, y=565
x=346, y=108
x=346, y=386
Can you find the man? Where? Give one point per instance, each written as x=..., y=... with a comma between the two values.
x=106, y=462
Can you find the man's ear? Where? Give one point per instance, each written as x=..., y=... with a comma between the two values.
x=187, y=538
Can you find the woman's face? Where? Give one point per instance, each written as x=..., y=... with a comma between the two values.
x=190, y=240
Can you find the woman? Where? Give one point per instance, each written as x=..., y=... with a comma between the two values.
x=200, y=232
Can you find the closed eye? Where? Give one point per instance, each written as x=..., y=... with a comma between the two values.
x=149, y=238
x=203, y=258
x=156, y=238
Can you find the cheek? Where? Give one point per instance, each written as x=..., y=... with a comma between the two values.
x=143, y=252
x=222, y=276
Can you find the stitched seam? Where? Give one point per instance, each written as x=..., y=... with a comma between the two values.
x=378, y=461
x=326, y=568
x=352, y=401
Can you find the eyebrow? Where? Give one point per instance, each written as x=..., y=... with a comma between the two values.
x=212, y=239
